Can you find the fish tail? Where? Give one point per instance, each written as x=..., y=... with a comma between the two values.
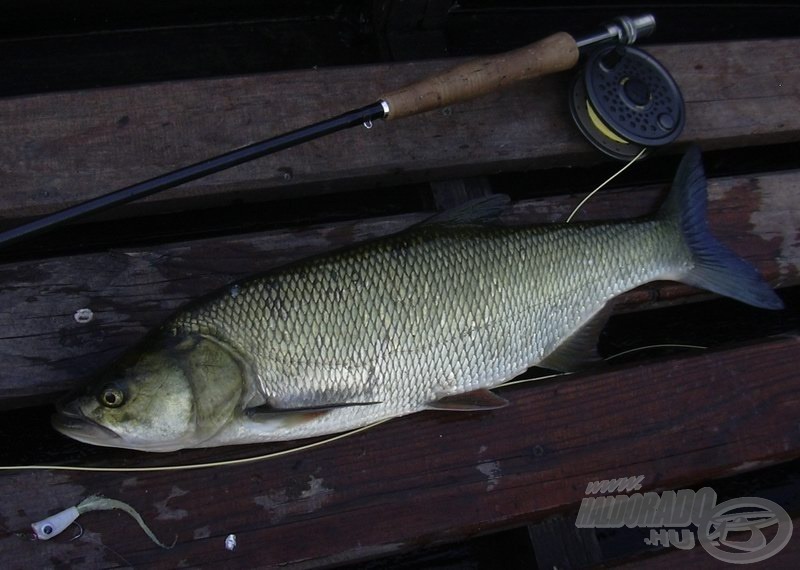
x=715, y=267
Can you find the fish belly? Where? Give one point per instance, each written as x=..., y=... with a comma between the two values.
x=427, y=313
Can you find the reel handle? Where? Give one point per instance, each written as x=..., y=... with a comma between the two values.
x=558, y=52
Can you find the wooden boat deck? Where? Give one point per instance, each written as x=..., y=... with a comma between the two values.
x=433, y=486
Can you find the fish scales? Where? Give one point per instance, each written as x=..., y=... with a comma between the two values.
x=427, y=319
x=428, y=313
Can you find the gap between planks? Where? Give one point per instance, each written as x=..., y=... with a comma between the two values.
x=434, y=477
x=44, y=350
x=55, y=154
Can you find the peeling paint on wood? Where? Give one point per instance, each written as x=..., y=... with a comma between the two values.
x=169, y=512
x=43, y=351
x=653, y=419
x=288, y=502
x=55, y=154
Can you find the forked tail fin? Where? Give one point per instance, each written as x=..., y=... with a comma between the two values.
x=716, y=268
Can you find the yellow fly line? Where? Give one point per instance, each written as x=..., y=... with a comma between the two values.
x=227, y=462
x=306, y=447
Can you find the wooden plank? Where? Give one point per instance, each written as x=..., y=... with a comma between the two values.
x=787, y=559
x=44, y=351
x=56, y=153
x=434, y=477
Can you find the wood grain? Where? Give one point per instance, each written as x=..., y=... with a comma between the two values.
x=787, y=559
x=428, y=479
x=44, y=351
x=434, y=477
x=63, y=148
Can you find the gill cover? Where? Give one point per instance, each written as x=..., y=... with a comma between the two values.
x=174, y=392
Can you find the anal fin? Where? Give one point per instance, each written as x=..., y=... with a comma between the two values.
x=476, y=400
x=579, y=350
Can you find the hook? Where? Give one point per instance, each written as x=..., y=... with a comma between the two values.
x=80, y=531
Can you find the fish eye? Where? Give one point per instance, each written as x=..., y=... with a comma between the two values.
x=111, y=397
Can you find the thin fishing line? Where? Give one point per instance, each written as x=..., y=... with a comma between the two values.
x=245, y=460
x=623, y=353
x=225, y=463
x=526, y=380
x=596, y=190
x=640, y=348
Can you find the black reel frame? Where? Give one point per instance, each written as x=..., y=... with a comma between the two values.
x=624, y=101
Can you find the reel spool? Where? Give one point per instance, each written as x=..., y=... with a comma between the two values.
x=624, y=101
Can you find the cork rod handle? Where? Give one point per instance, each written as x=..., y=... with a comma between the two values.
x=474, y=78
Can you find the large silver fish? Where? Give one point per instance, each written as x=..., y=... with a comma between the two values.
x=430, y=318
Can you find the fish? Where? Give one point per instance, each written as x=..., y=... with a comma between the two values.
x=431, y=318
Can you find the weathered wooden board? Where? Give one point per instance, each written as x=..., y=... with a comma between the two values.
x=43, y=350
x=59, y=149
x=787, y=559
x=434, y=477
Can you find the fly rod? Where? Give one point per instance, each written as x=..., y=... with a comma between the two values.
x=552, y=54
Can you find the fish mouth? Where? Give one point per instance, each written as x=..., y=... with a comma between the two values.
x=72, y=422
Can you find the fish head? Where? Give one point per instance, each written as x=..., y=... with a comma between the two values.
x=176, y=391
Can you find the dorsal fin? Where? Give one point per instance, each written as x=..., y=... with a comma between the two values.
x=480, y=210
x=476, y=400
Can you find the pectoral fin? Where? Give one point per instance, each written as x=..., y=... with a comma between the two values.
x=476, y=400
x=579, y=350
x=296, y=416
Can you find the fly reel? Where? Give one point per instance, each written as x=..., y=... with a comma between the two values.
x=625, y=102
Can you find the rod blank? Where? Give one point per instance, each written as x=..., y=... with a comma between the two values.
x=193, y=172
x=555, y=53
